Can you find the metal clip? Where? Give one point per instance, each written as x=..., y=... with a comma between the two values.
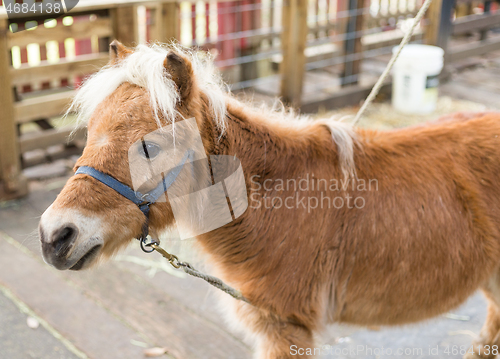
x=173, y=260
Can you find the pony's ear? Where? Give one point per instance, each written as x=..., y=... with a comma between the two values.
x=181, y=71
x=117, y=52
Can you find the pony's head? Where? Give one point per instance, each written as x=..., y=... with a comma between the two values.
x=138, y=92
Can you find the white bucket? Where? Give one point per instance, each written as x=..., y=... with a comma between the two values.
x=415, y=78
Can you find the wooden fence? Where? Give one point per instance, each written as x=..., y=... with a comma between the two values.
x=459, y=18
x=40, y=70
x=258, y=44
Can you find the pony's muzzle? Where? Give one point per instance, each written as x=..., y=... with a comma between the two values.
x=57, y=245
x=69, y=239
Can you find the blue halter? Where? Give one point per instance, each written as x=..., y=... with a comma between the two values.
x=143, y=201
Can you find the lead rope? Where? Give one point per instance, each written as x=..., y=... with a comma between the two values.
x=189, y=269
x=381, y=79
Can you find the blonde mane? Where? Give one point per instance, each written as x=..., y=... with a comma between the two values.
x=145, y=68
x=340, y=127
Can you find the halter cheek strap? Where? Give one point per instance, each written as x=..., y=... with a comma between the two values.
x=143, y=201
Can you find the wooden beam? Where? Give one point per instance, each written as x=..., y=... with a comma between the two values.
x=463, y=9
x=171, y=21
x=156, y=23
x=475, y=22
x=293, y=42
x=100, y=27
x=250, y=21
x=431, y=30
x=83, y=65
x=352, y=44
x=483, y=34
x=93, y=6
x=45, y=106
x=445, y=24
x=43, y=139
x=13, y=183
x=165, y=26
x=347, y=96
x=386, y=39
x=475, y=49
x=125, y=25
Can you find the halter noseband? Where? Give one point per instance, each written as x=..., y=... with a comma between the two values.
x=143, y=201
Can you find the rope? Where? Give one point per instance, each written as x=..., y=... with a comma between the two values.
x=216, y=282
x=188, y=268
x=382, y=78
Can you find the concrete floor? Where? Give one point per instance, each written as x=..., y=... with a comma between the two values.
x=18, y=340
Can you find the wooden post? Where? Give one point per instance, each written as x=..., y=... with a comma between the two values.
x=445, y=24
x=165, y=25
x=483, y=34
x=171, y=21
x=433, y=17
x=251, y=20
x=125, y=25
x=352, y=44
x=12, y=182
x=440, y=27
x=293, y=42
x=156, y=25
x=463, y=9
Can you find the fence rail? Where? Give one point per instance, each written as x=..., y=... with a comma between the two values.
x=312, y=53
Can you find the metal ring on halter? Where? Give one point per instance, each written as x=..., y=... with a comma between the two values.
x=147, y=246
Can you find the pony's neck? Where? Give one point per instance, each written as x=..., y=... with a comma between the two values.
x=268, y=150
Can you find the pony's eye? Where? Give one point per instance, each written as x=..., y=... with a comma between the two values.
x=149, y=150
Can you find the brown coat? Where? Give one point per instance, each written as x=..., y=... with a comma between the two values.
x=418, y=231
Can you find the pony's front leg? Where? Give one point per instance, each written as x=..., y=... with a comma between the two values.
x=282, y=340
x=273, y=337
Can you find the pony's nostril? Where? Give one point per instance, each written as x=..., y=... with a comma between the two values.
x=66, y=234
x=63, y=238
